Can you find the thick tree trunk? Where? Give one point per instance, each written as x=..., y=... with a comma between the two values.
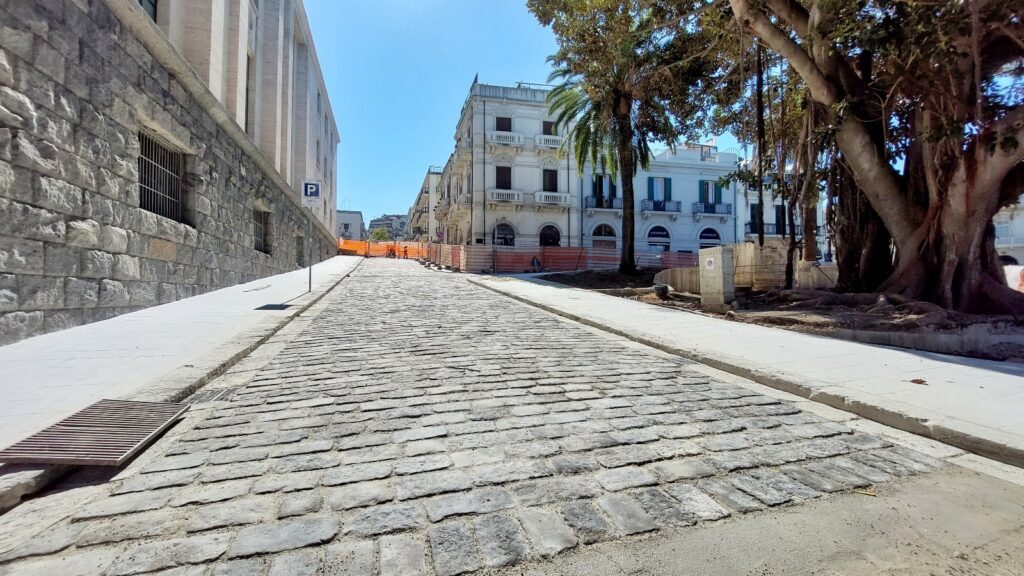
x=624, y=145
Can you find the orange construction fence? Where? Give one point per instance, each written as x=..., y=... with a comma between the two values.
x=414, y=250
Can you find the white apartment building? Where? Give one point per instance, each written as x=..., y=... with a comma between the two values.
x=257, y=58
x=505, y=183
x=1009, y=223
x=422, y=220
x=680, y=206
x=776, y=224
x=350, y=225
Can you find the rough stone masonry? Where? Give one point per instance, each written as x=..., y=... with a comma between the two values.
x=76, y=86
x=401, y=434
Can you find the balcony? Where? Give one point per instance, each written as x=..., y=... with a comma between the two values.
x=514, y=139
x=595, y=203
x=670, y=207
x=721, y=211
x=546, y=141
x=505, y=199
x=551, y=198
x=773, y=229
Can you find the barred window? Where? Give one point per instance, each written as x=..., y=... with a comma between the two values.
x=261, y=231
x=160, y=171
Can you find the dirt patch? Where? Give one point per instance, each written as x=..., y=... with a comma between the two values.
x=604, y=279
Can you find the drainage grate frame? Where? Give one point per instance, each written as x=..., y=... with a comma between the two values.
x=106, y=433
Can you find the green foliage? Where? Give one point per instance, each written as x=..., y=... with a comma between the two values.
x=379, y=235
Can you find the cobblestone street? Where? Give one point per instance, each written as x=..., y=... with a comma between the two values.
x=423, y=425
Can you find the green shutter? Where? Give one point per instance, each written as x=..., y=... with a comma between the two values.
x=612, y=193
x=593, y=186
x=668, y=189
x=650, y=188
x=701, y=197
x=718, y=193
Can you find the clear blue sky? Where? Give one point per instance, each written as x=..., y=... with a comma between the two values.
x=397, y=74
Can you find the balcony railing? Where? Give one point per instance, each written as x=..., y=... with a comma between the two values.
x=512, y=196
x=551, y=198
x=661, y=206
x=505, y=138
x=712, y=208
x=773, y=229
x=546, y=141
x=603, y=203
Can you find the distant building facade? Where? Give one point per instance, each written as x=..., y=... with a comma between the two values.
x=394, y=224
x=350, y=225
x=422, y=221
x=1009, y=223
x=153, y=150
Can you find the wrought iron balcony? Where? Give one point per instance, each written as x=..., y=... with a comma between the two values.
x=602, y=203
x=674, y=206
x=712, y=208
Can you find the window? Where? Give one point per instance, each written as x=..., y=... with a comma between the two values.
x=604, y=236
x=160, y=172
x=318, y=105
x=550, y=236
x=550, y=128
x=346, y=227
x=504, y=235
x=300, y=251
x=318, y=152
x=551, y=180
x=150, y=7
x=659, y=189
x=709, y=238
x=780, y=220
x=503, y=177
x=503, y=124
x=261, y=231
x=707, y=191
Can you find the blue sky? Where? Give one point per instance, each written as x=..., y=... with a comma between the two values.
x=397, y=74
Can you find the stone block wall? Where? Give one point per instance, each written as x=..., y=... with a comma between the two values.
x=76, y=87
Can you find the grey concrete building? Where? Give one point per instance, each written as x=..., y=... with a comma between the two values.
x=350, y=225
x=139, y=165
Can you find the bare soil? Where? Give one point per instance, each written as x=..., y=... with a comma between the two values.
x=604, y=279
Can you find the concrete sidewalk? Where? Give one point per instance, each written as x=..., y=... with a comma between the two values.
x=160, y=353
x=977, y=405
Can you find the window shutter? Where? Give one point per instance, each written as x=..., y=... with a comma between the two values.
x=668, y=189
x=594, y=184
x=718, y=193
x=611, y=188
x=702, y=187
x=650, y=188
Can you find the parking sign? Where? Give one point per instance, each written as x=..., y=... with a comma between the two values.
x=310, y=193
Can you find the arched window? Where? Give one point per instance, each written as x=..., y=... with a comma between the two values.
x=658, y=238
x=504, y=235
x=604, y=236
x=550, y=236
x=709, y=237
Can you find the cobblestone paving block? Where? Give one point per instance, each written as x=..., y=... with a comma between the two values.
x=453, y=548
x=419, y=464
x=402, y=555
x=361, y=494
x=49, y=541
x=305, y=447
x=305, y=562
x=143, y=482
x=421, y=447
x=306, y=462
x=509, y=471
x=421, y=433
x=574, y=463
x=627, y=514
x=477, y=457
x=384, y=519
x=233, y=471
x=908, y=459
x=299, y=504
x=885, y=465
x=351, y=558
x=696, y=502
x=556, y=489
x=240, y=567
x=281, y=536
x=681, y=469
x=286, y=482
x=239, y=455
x=727, y=494
x=87, y=563
x=759, y=490
x=785, y=484
x=168, y=463
x=548, y=533
x=430, y=483
x=501, y=541
x=588, y=522
x=625, y=477
x=170, y=553
x=478, y=501
x=357, y=473
x=142, y=525
x=812, y=479
x=241, y=511
x=213, y=493
x=665, y=510
x=125, y=504
x=626, y=455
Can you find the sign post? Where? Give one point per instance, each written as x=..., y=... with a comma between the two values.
x=310, y=198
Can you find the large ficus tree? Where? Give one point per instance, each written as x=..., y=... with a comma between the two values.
x=618, y=65
x=923, y=101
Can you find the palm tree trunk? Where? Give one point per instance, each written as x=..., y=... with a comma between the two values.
x=627, y=169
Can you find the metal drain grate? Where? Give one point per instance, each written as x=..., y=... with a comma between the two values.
x=107, y=433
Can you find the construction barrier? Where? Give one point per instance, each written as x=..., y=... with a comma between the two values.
x=515, y=259
x=412, y=250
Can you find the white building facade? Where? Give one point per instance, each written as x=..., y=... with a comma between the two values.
x=679, y=203
x=505, y=183
x=1009, y=223
x=776, y=224
x=350, y=225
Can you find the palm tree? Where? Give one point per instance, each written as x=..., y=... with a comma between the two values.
x=599, y=122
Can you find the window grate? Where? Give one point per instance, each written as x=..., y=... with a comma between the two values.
x=261, y=230
x=160, y=172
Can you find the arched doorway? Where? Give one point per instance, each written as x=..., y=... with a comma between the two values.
x=709, y=237
x=658, y=239
x=550, y=236
x=504, y=235
x=604, y=236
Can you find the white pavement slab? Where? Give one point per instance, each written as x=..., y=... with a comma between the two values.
x=160, y=349
x=977, y=405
